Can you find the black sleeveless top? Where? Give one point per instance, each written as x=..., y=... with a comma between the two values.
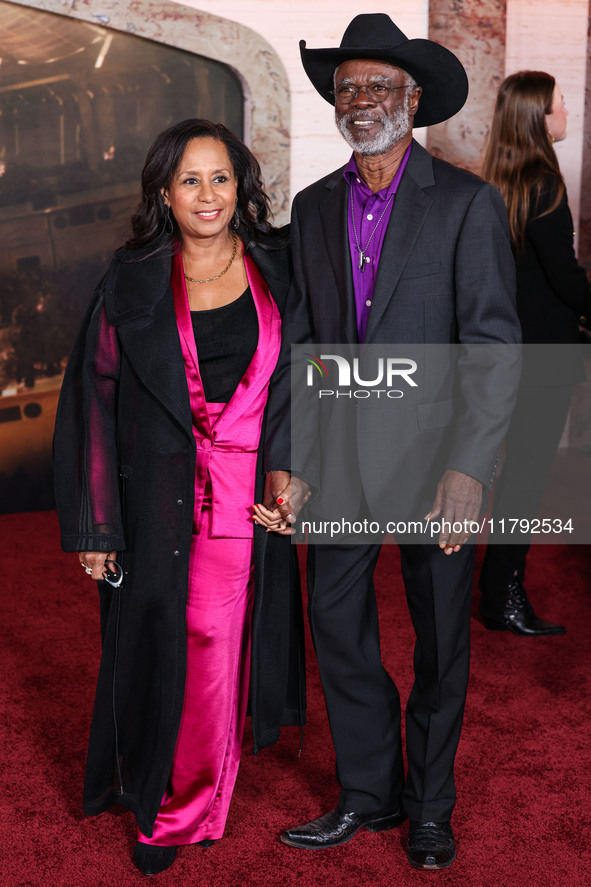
x=226, y=340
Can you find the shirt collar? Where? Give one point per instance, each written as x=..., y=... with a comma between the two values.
x=351, y=174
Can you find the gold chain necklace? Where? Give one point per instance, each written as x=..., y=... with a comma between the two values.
x=209, y=279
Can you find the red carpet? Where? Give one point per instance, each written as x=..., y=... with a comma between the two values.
x=523, y=768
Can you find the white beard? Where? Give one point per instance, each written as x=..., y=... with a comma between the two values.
x=393, y=129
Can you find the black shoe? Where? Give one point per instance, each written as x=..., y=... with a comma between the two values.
x=338, y=827
x=519, y=617
x=151, y=859
x=431, y=845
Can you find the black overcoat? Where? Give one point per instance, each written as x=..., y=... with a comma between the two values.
x=129, y=414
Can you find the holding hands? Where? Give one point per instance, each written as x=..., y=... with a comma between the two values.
x=283, y=499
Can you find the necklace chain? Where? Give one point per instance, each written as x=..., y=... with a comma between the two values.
x=217, y=276
x=362, y=257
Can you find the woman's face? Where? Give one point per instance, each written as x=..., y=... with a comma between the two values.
x=556, y=119
x=202, y=193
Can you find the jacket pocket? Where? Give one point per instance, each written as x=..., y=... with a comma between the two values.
x=423, y=270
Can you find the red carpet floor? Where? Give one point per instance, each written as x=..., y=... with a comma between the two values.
x=523, y=767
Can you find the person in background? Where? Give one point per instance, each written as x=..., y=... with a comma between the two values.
x=158, y=462
x=553, y=298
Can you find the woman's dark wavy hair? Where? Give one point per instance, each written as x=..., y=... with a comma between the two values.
x=149, y=223
x=520, y=159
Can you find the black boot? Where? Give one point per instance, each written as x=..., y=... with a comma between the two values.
x=518, y=615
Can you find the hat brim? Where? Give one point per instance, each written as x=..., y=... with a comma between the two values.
x=436, y=69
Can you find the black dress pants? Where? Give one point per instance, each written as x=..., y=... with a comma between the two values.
x=362, y=700
x=530, y=446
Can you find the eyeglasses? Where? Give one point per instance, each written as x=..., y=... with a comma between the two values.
x=375, y=92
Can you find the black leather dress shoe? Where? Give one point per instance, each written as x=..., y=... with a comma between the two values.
x=431, y=845
x=338, y=827
x=152, y=859
x=519, y=617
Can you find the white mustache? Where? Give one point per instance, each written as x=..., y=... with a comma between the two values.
x=360, y=115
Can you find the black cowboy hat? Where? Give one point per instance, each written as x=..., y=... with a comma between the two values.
x=375, y=36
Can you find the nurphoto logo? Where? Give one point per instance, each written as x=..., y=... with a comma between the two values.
x=388, y=372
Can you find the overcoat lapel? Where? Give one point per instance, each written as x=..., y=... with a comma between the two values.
x=411, y=207
x=333, y=209
x=139, y=302
x=276, y=274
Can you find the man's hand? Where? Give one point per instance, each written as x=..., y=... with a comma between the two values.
x=283, y=500
x=458, y=500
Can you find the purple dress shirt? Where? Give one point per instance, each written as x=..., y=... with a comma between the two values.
x=368, y=208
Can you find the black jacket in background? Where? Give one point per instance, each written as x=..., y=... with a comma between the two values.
x=552, y=288
x=552, y=294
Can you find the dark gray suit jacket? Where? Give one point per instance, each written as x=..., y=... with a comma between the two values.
x=446, y=276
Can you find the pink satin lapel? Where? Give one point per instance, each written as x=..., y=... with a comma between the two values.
x=201, y=424
x=189, y=349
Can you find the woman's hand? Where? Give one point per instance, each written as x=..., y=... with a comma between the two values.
x=270, y=518
x=95, y=561
x=283, y=500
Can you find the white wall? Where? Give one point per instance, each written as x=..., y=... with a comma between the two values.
x=316, y=146
x=551, y=35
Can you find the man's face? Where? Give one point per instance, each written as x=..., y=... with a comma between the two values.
x=368, y=125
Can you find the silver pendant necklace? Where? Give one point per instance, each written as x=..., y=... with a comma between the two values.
x=363, y=259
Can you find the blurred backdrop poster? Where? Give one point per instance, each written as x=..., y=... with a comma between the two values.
x=79, y=107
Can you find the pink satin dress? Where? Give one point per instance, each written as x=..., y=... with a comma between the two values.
x=207, y=752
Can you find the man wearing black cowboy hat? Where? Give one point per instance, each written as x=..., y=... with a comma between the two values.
x=397, y=247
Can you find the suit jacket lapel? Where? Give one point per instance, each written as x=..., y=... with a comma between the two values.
x=333, y=213
x=411, y=207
